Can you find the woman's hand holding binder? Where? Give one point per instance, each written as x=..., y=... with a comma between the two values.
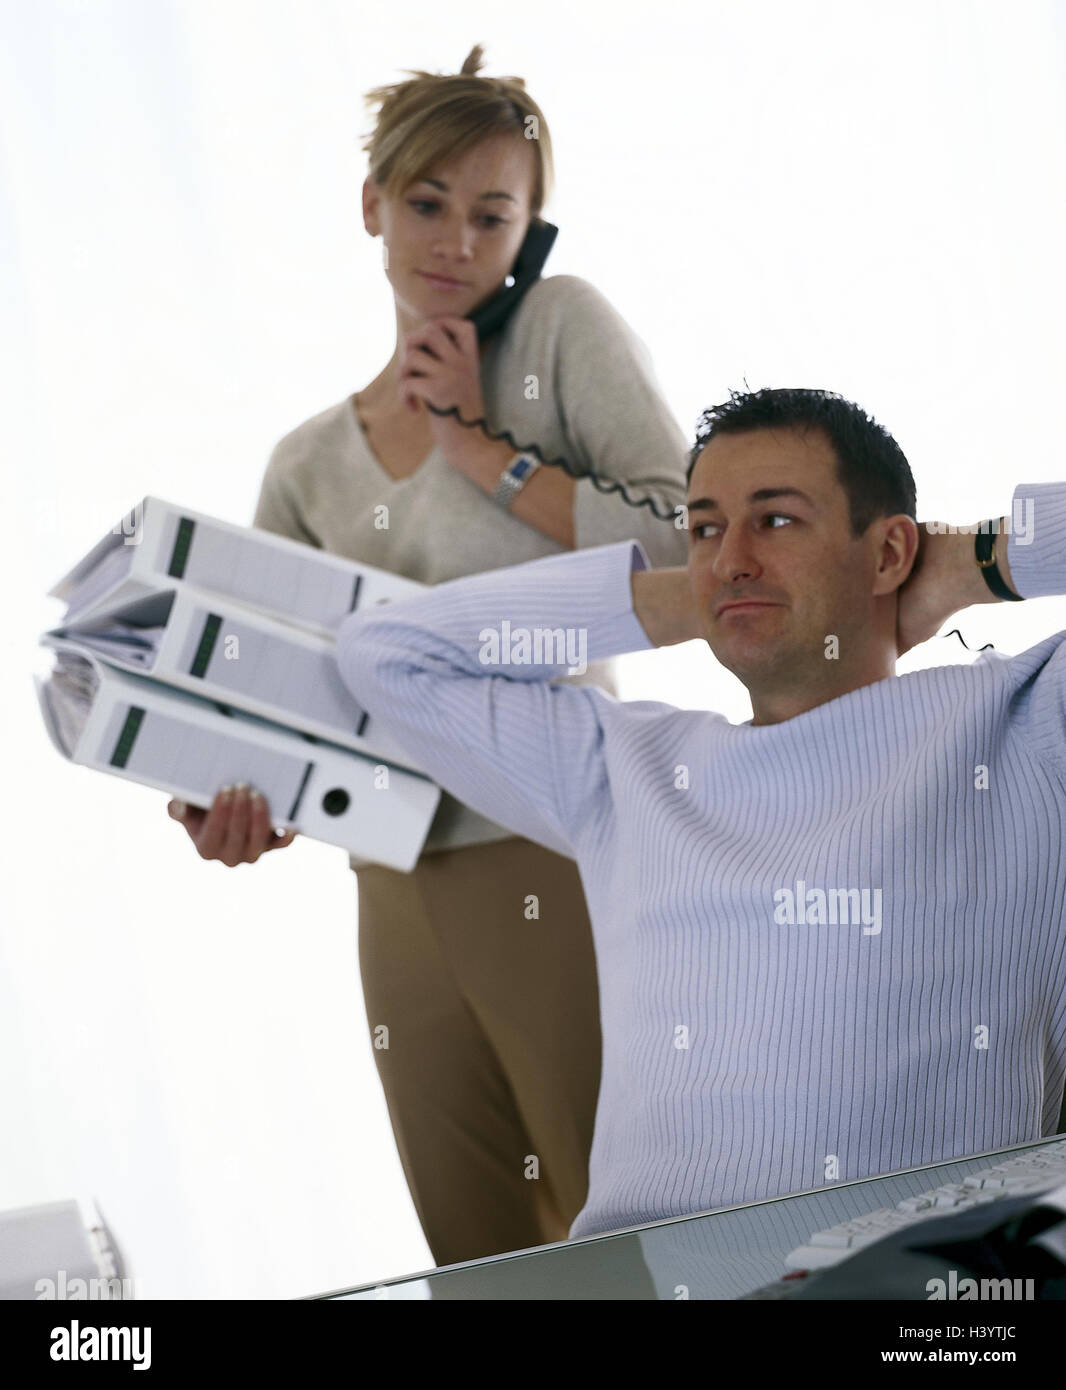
x=236, y=830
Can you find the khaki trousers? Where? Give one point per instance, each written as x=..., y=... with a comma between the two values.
x=492, y=1068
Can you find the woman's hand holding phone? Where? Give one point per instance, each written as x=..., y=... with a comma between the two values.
x=441, y=364
x=236, y=829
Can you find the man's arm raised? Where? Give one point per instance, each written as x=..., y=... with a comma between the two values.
x=665, y=609
x=464, y=677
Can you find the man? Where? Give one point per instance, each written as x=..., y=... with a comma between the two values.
x=831, y=941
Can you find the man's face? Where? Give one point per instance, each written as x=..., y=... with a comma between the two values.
x=453, y=236
x=770, y=532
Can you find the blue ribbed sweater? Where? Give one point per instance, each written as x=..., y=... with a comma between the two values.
x=747, y=1052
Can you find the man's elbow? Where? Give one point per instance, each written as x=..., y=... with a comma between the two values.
x=359, y=656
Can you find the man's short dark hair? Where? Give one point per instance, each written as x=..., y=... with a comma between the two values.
x=871, y=467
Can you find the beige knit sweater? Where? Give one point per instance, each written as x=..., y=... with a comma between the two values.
x=567, y=374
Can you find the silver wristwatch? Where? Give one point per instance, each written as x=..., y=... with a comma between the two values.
x=514, y=478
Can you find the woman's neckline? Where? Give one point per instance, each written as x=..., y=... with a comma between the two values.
x=357, y=422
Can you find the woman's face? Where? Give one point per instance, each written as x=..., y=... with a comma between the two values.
x=452, y=237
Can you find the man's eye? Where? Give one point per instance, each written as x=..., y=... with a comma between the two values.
x=703, y=530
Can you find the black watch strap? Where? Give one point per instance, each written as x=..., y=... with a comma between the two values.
x=985, y=549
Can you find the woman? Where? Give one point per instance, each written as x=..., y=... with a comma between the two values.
x=491, y=1007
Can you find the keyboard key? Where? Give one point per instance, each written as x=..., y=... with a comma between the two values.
x=835, y=1239
x=1035, y=1171
x=950, y=1195
x=814, y=1257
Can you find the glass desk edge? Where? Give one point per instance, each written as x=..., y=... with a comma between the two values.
x=597, y=1237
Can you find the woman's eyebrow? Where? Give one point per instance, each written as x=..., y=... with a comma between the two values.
x=494, y=194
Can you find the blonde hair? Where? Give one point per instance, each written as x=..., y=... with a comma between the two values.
x=435, y=117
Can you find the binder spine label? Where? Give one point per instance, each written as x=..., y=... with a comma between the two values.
x=208, y=638
x=124, y=746
x=180, y=554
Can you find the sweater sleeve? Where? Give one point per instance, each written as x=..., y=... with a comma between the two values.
x=624, y=430
x=447, y=674
x=1036, y=549
x=278, y=508
x=1036, y=553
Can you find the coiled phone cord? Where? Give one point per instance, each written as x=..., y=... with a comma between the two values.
x=606, y=485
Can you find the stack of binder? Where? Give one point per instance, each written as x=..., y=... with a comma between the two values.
x=195, y=654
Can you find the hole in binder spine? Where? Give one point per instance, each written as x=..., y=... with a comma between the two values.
x=336, y=801
x=355, y=593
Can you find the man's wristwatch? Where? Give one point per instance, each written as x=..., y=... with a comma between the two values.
x=985, y=549
x=514, y=478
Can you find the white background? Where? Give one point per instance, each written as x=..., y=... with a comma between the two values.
x=860, y=196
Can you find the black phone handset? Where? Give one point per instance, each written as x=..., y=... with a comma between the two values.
x=525, y=272
x=491, y=317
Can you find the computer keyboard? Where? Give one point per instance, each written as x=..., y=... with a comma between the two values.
x=1037, y=1170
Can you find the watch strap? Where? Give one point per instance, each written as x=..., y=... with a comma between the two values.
x=985, y=551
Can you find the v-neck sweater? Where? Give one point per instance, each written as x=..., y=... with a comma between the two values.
x=567, y=374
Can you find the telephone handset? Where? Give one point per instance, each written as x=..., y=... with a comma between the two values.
x=529, y=263
x=492, y=316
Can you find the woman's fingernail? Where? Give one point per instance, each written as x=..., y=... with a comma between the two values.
x=226, y=791
x=178, y=809
x=256, y=794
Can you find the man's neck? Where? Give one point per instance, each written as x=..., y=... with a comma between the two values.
x=781, y=702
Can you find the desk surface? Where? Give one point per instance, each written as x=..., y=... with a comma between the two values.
x=713, y=1255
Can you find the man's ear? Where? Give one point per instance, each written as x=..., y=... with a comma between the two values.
x=371, y=201
x=897, y=552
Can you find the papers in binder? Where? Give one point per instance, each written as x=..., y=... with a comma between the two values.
x=210, y=645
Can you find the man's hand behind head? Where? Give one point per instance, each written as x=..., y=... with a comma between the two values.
x=945, y=578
